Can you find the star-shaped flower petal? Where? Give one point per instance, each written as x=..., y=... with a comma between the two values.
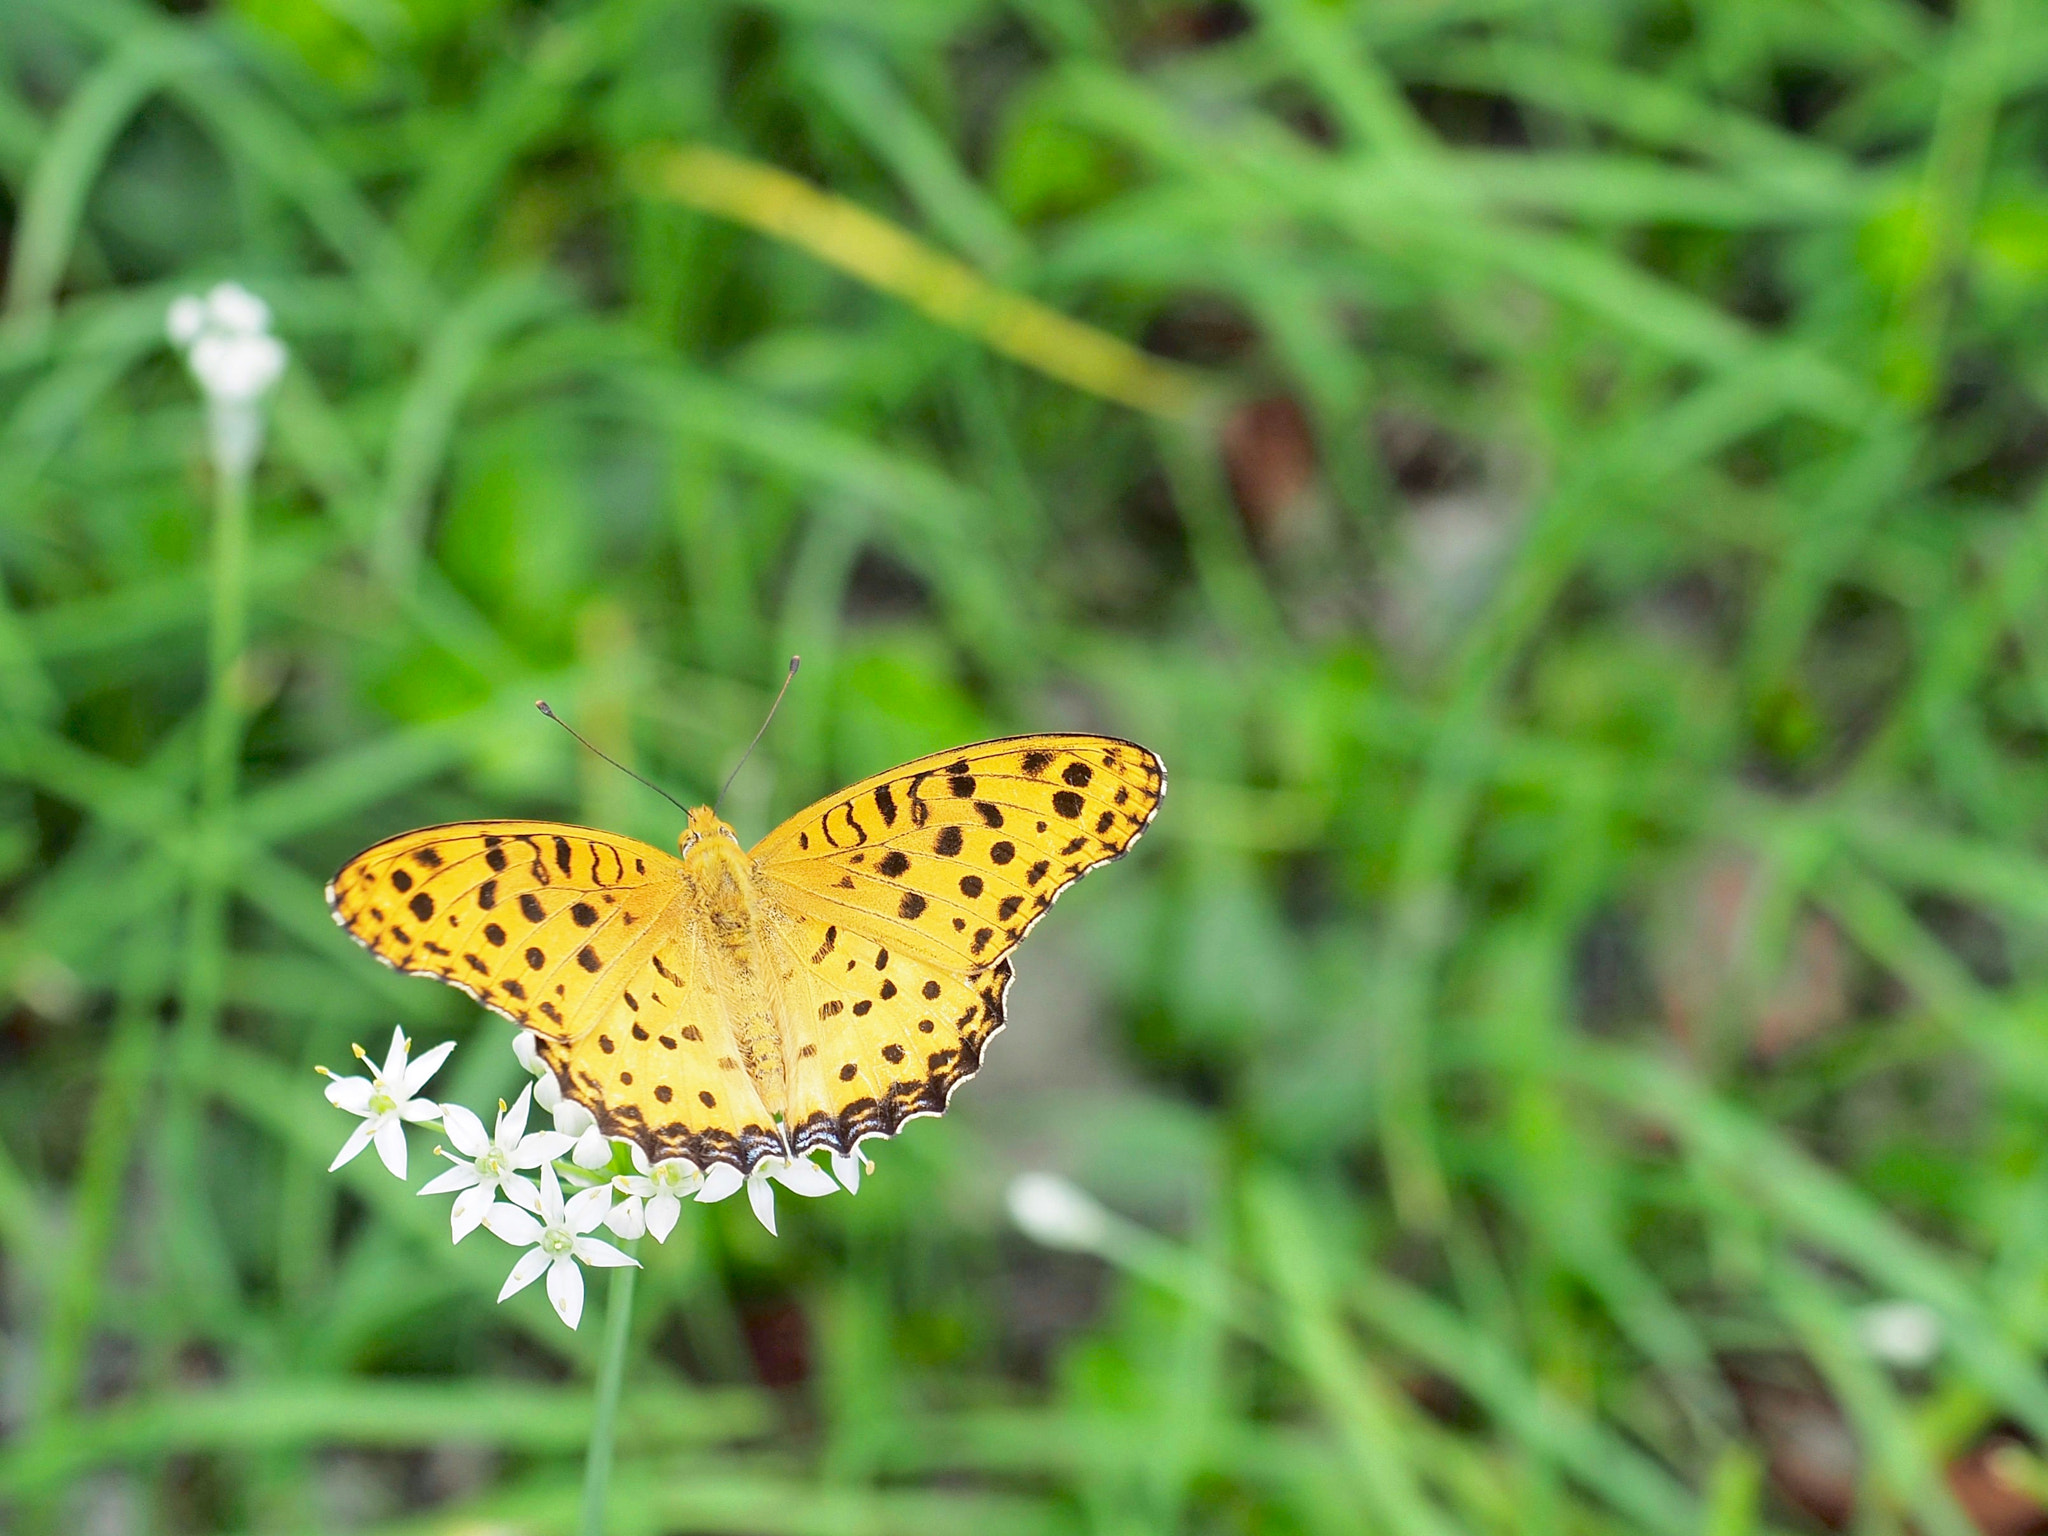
x=799, y=1175
x=386, y=1100
x=558, y=1241
x=493, y=1163
x=720, y=1180
x=846, y=1168
x=654, y=1194
x=593, y=1149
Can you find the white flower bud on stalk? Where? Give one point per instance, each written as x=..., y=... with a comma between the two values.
x=1056, y=1213
x=237, y=362
x=1905, y=1334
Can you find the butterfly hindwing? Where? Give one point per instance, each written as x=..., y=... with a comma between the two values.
x=525, y=916
x=885, y=1035
x=658, y=1065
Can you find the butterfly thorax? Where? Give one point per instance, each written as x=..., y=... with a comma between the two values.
x=722, y=894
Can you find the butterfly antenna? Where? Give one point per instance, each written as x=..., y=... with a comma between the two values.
x=794, y=663
x=542, y=706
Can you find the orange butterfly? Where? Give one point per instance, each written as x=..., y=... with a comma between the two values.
x=840, y=978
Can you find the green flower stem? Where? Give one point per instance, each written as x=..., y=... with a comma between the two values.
x=611, y=1374
x=220, y=762
x=226, y=639
x=206, y=929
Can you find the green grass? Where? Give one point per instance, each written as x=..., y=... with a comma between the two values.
x=1579, y=543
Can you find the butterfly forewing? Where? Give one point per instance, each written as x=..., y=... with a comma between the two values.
x=525, y=916
x=579, y=936
x=955, y=856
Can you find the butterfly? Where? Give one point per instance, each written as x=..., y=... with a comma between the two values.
x=838, y=979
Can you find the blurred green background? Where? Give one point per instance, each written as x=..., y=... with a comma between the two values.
x=1572, y=1053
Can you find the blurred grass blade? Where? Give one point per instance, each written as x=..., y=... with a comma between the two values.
x=71, y=159
x=860, y=85
x=1623, y=1476
x=1823, y=1209
x=888, y=258
x=1896, y=1459
x=1358, y=1399
x=398, y=1415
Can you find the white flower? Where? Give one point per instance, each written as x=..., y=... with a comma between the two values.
x=527, y=1049
x=571, y=1118
x=228, y=346
x=798, y=1174
x=235, y=311
x=654, y=1195
x=720, y=1181
x=385, y=1100
x=494, y=1162
x=1906, y=1334
x=186, y=320
x=1057, y=1213
x=628, y=1219
x=559, y=1240
x=846, y=1168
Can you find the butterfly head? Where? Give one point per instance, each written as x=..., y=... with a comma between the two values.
x=705, y=833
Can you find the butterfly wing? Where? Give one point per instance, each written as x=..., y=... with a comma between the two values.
x=577, y=935
x=658, y=1065
x=522, y=915
x=887, y=1035
x=901, y=898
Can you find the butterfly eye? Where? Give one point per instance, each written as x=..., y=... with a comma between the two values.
x=686, y=842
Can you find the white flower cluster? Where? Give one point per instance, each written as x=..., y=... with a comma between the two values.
x=507, y=1181
x=226, y=339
